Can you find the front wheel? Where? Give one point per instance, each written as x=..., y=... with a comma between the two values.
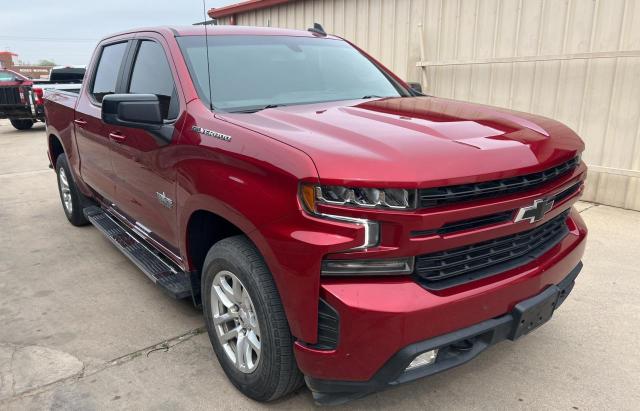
x=246, y=321
x=22, y=124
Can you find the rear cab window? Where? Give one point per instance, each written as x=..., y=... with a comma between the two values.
x=108, y=70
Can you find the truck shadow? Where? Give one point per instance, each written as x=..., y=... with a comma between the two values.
x=7, y=128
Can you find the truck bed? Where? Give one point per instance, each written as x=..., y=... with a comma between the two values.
x=59, y=107
x=50, y=87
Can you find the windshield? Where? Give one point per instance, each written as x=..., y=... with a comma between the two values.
x=6, y=76
x=249, y=73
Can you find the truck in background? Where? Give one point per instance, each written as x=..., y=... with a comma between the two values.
x=22, y=99
x=67, y=78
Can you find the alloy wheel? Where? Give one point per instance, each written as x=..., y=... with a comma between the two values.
x=65, y=191
x=235, y=321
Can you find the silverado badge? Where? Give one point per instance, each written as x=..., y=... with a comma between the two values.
x=211, y=133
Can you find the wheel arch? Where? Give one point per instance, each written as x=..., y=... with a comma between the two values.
x=204, y=227
x=55, y=148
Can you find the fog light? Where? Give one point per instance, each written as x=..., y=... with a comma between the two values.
x=368, y=267
x=426, y=358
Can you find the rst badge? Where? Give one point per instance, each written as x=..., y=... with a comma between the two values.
x=211, y=133
x=164, y=200
x=536, y=211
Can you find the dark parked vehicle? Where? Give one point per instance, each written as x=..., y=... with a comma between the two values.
x=335, y=225
x=67, y=78
x=21, y=99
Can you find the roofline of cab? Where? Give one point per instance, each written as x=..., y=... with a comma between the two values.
x=160, y=30
x=169, y=31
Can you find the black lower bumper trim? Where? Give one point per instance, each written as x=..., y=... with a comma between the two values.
x=454, y=349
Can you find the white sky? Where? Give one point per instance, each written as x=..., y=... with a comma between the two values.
x=66, y=31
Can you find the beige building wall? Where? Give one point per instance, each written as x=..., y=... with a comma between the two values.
x=577, y=61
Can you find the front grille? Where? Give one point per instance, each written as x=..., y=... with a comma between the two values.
x=10, y=95
x=432, y=197
x=558, y=198
x=460, y=265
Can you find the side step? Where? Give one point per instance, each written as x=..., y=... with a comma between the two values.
x=170, y=278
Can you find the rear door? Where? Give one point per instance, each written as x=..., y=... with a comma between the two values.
x=143, y=163
x=92, y=135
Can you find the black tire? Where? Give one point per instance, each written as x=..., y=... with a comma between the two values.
x=77, y=199
x=22, y=124
x=276, y=373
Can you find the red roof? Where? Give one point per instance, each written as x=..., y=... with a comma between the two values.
x=243, y=7
x=223, y=30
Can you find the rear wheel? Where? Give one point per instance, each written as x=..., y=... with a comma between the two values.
x=246, y=321
x=22, y=124
x=73, y=201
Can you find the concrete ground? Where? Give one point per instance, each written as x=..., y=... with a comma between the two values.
x=82, y=328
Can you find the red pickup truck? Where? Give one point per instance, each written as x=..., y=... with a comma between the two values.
x=20, y=101
x=335, y=225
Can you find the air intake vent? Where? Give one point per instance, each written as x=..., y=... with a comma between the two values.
x=328, y=327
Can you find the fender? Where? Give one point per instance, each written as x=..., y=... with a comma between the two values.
x=239, y=181
x=60, y=111
x=296, y=265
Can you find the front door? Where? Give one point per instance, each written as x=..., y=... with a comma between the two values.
x=143, y=163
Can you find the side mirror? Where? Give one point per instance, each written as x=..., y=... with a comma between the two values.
x=132, y=110
x=416, y=87
x=19, y=80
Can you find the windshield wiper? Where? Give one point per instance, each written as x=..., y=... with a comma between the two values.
x=256, y=109
x=272, y=106
x=371, y=96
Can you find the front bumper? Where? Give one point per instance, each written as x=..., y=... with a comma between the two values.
x=454, y=348
x=22, y=112
x=381, y=316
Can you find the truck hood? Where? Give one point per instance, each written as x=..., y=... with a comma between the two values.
x=415, y=141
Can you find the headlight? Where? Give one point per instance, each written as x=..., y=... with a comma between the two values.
x=398, y=199
x=384, y=198
x=371, y=228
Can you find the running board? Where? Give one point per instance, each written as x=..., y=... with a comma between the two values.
x=163, y=273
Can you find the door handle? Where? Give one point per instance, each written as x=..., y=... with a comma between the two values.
x=117, y=137
x=80, y=122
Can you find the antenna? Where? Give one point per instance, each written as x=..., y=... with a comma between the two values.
x=206, y=42
x=318, y=29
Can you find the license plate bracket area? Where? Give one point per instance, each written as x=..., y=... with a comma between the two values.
x=532, y=313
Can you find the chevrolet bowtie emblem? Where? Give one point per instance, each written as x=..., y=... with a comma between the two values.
x=534, y=212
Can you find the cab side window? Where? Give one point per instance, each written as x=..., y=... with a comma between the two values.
x=108, y=70
x=151, y=75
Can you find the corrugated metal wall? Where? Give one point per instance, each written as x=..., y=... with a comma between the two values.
x=468, y=48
